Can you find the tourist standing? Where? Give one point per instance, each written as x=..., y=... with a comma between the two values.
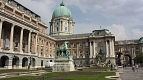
x=137, y=67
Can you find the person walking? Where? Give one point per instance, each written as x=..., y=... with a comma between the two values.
x=133, y=68
x=137, y=67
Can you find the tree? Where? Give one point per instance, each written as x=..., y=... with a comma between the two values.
x=139, y=58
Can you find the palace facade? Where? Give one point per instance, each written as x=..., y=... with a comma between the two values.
x=24, y=41
x=129, y=50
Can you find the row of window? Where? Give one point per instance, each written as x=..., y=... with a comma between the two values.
x=57, y=29
x=25, y=9
x=57, y=23
x=80, y=53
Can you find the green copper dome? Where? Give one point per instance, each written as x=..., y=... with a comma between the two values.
x=141, y=39
x=62, y=11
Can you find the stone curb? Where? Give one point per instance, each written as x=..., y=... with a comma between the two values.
x=117, y=77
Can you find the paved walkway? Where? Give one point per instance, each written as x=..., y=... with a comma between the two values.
x=128, y=74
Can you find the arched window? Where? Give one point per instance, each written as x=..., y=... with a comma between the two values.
x=30, y=48
x=50, y=53
x=86, y=44
x=57, y=28
x=66, y=29
x=6, y=43
x=23, y=45
x=80, y=52
x=16, y=44
x=46, y=52
x=42, y=52
x=74, y=54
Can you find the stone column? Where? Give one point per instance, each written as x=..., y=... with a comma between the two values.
x=21, y=39
x=91, y=50
x=29, y=39
x=44, y=50
x=113, y=51
x=107, y=54
x=94, y=49
x=1, y=22
x=36, y=43
x=10, y=63
x=20, y=63
x=11, y=37
x=110, y=47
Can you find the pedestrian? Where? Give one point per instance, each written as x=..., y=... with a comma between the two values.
x=111, y=67
x=133, y=68
x=137, y=67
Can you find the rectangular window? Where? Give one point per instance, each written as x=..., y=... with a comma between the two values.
x=57, y=28
x=86, y=44
x=46, y=52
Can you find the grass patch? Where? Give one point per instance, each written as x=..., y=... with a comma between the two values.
x=92, y=73
x=48, y=75
x=15, y=70
x=99, y=76
x=76, y=75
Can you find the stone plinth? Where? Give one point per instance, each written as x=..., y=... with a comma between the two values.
x=120, y=69
x=63, y=64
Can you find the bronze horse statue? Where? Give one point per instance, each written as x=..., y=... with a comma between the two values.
x=63, y=49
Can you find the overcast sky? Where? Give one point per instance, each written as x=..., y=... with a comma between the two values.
x=123, y=18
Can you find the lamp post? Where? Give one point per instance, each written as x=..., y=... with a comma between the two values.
x=13, y=62
x=29, y=65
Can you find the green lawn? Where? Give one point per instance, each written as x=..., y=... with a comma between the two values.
x=76, y=75
x=92, y=73
x=15, y=70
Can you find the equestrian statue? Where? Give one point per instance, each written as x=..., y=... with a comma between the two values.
x=63, y=51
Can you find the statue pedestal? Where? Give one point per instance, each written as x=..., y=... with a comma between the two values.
x=63, y=64
x=120, y=69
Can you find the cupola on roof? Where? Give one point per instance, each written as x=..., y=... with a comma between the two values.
x=62, y=11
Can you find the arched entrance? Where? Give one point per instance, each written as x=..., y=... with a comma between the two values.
x=41, y=63
x=4, y=60
x=24, y=62
x=127, y=60
x=15, y=61
x=33, y=62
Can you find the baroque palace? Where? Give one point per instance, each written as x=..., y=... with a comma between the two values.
x=24, y=40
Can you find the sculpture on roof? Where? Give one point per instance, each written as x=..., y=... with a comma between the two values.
x=93, y=32
x=63, y=51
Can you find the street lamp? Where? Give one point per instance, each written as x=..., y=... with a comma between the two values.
x=29, y=62
x=13, y=63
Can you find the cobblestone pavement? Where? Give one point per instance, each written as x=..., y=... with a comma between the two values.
x=128, y=74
